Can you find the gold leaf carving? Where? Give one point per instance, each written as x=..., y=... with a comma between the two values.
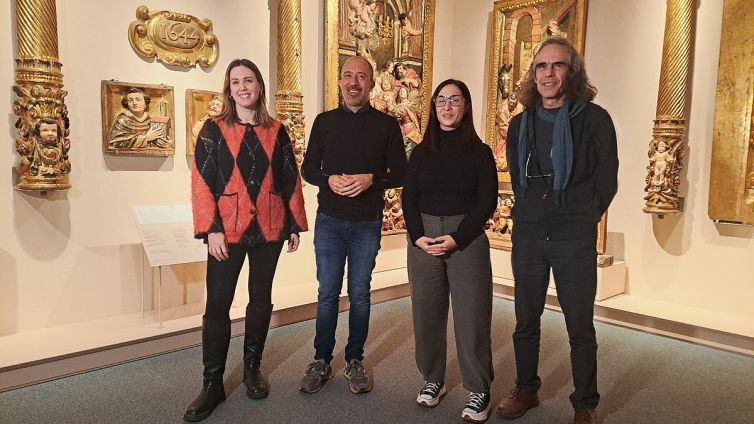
x=173, y=38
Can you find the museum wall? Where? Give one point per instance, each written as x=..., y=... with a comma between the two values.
x=75, y=256
x=685, y=260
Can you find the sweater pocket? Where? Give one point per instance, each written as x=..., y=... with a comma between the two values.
x=228, y=206
x=277, y=214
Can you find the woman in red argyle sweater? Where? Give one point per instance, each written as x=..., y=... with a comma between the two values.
x=247, y=201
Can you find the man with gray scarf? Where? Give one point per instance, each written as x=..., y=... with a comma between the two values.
x=563, y=160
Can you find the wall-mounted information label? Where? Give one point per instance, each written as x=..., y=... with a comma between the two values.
x=167, y=234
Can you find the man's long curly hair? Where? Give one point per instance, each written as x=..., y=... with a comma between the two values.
x=576, y=84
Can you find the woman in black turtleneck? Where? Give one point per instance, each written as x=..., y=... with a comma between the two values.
x=449, y=192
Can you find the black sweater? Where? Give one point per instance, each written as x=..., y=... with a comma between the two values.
x=453, y=180
x=593, y=184
x=344, y=142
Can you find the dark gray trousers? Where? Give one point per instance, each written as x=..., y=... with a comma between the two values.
x=573, y=264
x=463, y=277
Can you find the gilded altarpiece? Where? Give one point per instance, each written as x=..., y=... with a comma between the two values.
x=396, y=37
x=518, y=29
x=731, y=191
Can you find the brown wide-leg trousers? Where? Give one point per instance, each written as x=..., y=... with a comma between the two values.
x=463, y=277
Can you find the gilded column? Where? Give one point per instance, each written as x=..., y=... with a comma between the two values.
x=666, y=150
x=42, y=121
x=289, y=101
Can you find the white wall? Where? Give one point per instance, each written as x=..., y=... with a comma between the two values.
x=75, y=256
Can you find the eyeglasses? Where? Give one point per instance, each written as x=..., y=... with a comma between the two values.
x=555, y=66
x=539, y=174
x=454, y=100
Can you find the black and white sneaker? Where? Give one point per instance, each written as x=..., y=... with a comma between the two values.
x=477, y=408
x=430, y=394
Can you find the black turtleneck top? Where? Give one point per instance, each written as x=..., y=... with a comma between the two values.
x=454, y=180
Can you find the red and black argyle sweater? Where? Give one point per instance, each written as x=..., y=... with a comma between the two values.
x=245, y=184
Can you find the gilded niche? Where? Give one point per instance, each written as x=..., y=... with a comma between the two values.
x=173, y=38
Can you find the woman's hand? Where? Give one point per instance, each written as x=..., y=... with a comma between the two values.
x=437, y=246
x=293, y=243
x=428, y=245
x=445, y=243
x=217, y=246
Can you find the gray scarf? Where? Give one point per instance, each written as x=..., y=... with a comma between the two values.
x=562, y=146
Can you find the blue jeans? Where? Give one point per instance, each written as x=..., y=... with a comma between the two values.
x=334, y=241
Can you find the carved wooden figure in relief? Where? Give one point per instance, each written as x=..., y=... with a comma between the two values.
x=200, y=106
x=137, y=119
x=133, y=127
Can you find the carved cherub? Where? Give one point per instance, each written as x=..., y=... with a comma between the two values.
x=49, y=150
x=659, y=165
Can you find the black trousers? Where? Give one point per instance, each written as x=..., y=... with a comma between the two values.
x=574, y=267
x=222, y=277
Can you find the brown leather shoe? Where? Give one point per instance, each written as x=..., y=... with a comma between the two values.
x=584, y=416
x=517, y=403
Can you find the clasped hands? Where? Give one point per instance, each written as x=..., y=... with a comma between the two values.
x=349, y=185
x=437, y=246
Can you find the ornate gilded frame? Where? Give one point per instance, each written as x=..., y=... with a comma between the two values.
x=340, y=44
x=197, y=107
x=161, y=110
x=731, y=190
x=510, y=21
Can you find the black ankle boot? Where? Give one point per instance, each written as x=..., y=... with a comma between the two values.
x=213, y=393
x=257, y=323
x=256, y=385
x=215, y=340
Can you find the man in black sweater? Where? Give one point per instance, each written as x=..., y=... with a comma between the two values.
x=563, y=160
x=355, y=152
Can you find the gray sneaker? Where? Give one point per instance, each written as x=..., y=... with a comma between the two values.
x=358, y=377
x=316, y=374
